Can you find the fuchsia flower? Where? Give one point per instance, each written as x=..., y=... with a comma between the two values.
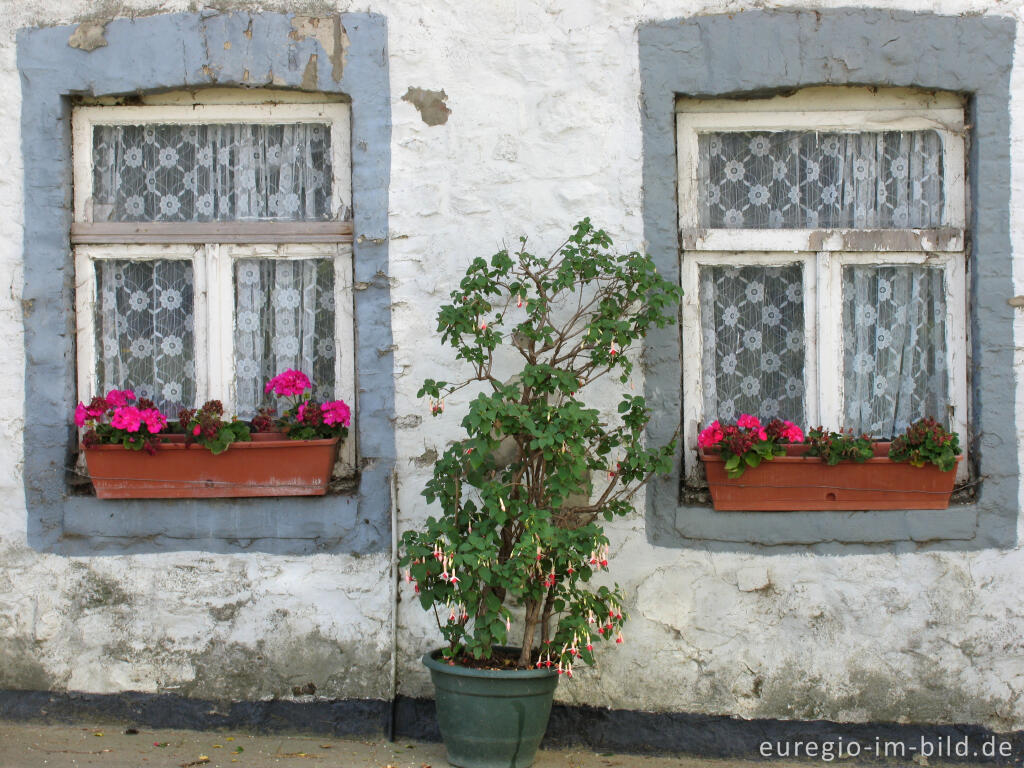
x=711, y=435
x=128, y=418
x=81, y=415
x=289, y=383
x=336, y=412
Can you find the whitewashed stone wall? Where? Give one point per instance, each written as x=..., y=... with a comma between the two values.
x=544, y=129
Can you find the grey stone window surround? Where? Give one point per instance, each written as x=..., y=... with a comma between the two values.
x=755, y=53
x=181, y=51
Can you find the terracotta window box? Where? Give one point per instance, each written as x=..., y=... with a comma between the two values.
x=271, y=465
x=796, y=482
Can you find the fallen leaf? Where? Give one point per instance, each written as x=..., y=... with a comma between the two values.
x=218, y=746
x=230, y=738
x=238, y=750
x=131, y=731
x=325, y=746
x=159, y=743
x=98, y=733
x=202, y=760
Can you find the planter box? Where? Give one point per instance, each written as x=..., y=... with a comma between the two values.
x=269, y=466
x=795, y=482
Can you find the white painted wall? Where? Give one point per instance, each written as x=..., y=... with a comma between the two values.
x=545, y=129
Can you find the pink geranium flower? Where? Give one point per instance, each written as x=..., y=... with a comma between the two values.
x=336, y=412
x=128, y=418
x=746, y=421
x=118, y=398
x=289, y=383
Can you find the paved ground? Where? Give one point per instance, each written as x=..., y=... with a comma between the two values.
x=55, y=746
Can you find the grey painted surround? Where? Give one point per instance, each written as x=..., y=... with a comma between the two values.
x=763, y=52
x=187, y=51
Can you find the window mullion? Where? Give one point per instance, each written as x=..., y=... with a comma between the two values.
x=693, y=392
x=202, y=353
x=956, y=351
x=85, y=334
x=830, y=340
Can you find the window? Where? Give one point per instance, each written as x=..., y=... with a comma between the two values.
x=823, y=259
x=213, y=250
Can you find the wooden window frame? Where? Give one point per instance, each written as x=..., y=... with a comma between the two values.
x=214, y=247
x=823, y=252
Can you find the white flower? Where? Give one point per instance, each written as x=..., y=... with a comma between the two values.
x=727, y=409
x=204, y=156
x=169, y=205
x=110, y=347
x=812, y=219
x=758, y=194
x=172, y=345
x=168, y=157
x=898, y=168
x=135, y=206
x=771, y=362
x=172, y=391
x=286, y=346
x=769, y=407
x=248, y=321
x=286, y=298
x=247, y=368
x=714, y=145
x=224, y=155
x=325, y=348
x=729, y=363
x=795, y=340
x=326, y=301
x=750, y=386
x=811, y=171
x=793, y=292
x=771, y=315
x=714, y=194
x=830, y=146
x=170, y=298
x=731, y=315
x=860, y=168
x=794, y=386
x=133, y=157
x=829, y=194
x=139, y=300
x=775, y=218
x=142, y=348
x=779, y=171
x=274, y=154
x=290, y=202
x=734, y=170
x=880, y=385
x=863, y=362
x=754, y=291
x=190, y=180
x=884, y=289
x=865, y=315
x=733, y=218
x=248, y=273
x=883, y=338
x=285, y=322
x=900, y=216
x=204, y=205
x=752, y=339
x=759, y=145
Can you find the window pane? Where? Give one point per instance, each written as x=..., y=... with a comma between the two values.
x=230, y=172
x=284, y=318
x=807, y=179
x=752, y=324
x=144, y=330
x=894, y=326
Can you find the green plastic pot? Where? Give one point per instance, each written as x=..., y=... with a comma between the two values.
x=491, y=718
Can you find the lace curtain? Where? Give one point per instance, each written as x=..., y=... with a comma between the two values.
x=229, y=172
x=894, y=327
x=805, y=179
x=144, y=333
x=752, y=321
x=284, y=318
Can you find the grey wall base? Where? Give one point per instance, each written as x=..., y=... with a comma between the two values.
x=592, y=728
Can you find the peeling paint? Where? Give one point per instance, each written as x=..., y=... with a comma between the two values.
x=330, y=33
x=430, y=104
x=88, y=36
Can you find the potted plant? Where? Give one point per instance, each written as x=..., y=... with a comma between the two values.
x=205, y=455
x=772, y=467
x=522, y=495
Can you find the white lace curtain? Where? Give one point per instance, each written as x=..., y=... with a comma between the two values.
x=752, y=321
x=284, y=318
x=144, y=330
x=227, y=172
x=894, y=326
x=805, y=179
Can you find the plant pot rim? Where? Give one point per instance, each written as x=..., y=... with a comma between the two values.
x=178, y=444
x=454, y=669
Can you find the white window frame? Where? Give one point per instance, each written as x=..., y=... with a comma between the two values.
x=824, y=252
x=214, y=247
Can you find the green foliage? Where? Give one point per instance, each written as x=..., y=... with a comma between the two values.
x=926, y=441
x=834, y=447
x=207, y=427
x=522, y=494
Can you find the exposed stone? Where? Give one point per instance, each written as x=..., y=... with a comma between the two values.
x=88, y=36
x=431, y=105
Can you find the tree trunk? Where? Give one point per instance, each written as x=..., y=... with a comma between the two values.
x=532, y=619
